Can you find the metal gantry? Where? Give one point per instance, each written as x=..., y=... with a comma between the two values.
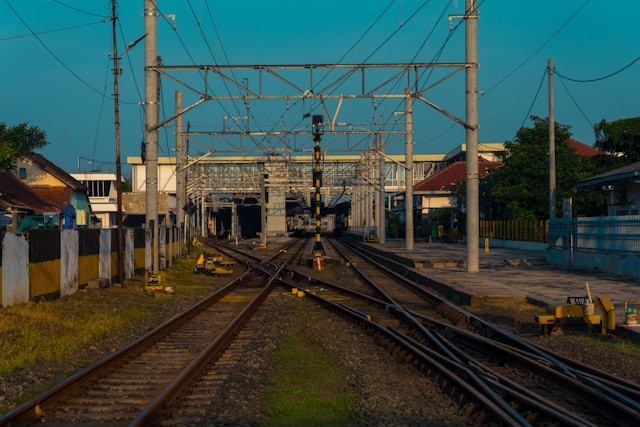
x=285, y=148
x=328, y=88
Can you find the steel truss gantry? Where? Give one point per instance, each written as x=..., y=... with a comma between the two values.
x=279, y=158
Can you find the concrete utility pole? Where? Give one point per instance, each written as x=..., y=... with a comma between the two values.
x=380, y=205
x=263, y=211
x=473, y=198
x=408, y=172
x=180, y=161
x=152, y=100
x=552, y=147
x=116, y=102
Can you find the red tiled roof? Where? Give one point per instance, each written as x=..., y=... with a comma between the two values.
x=451, y=174
x=16, y=194
x=57, y=196
x=582, y=149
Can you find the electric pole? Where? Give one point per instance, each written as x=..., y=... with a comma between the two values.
x=116, y=72
x=552, y=147
x=152, y=100
x=180, y=161
x=380, y=202
x=471, y=79
x=408, y=172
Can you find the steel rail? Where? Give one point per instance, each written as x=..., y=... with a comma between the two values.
x=27, y=412
x=449, y=360
x=470, y=391
x=612, y=403
x=212, y=351
x=613, y=392
x=505, y=385
x=479, y=382
x=471, y=319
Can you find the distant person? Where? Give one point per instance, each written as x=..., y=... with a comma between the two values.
x=69, y=216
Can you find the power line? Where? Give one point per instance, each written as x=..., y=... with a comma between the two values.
x=439, y=53
x=424, y=42
x=55, y=30
x=80, y=10
x=532, y=102
x=288, y=107
x=135, y=80
x=535, y=52
x=184, y=46
x=224, y=51
x=396, y=31
x=344, y=55
x=385, y=41
x=600, y=78
x=66, y=67
x=95, y=140
x=574, y=101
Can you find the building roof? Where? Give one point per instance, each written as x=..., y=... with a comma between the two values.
x=583, y=149
x=17, y=195
x=96, y=176
x=444, y=178
x=459, y=152
x=57, y=196
x=628, y=172
x=54, y=170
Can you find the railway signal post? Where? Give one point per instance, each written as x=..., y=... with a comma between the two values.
x=318, y=250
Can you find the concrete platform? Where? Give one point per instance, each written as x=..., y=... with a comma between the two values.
x=506, y=274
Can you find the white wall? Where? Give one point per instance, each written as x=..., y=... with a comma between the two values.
x=15, y=270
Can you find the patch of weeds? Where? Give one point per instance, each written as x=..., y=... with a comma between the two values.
x=307, y=387
x=49, y=331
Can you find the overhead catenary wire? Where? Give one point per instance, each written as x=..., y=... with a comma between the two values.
x=213, y=56
x=305, y=115
x=527, y=59
x=437, y=56
x=357, y=42
x=186, y=49
x=226, y=58
x=384, y=42
x=424, y=42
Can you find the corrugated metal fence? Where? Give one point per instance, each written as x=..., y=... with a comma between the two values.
x=618, y=234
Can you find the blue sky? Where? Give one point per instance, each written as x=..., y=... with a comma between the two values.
x=60, y=79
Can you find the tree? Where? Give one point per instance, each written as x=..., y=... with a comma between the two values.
x=17, y=142
x=621, y=139
x=520, y=188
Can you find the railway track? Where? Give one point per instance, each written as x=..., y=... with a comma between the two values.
x=496, y=376
x=134, y=384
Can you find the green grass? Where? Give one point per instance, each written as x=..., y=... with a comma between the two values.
x=55, y=330
x=308, y=385
x=50, y=331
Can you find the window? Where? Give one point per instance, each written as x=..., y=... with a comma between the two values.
x=98, y=188
x=22, y=173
